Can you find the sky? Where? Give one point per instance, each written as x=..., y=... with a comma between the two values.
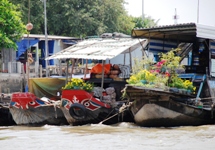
x=164, y=10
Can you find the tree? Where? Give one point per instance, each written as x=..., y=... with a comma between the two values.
x=75, y=17
x=144, y=23
x=11, y=25
x=78, y=18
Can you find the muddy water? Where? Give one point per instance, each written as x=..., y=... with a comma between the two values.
x=123, y=136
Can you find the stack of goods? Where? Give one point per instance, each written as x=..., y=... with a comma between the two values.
x=115, y=72
x=125, y=71
x=97, y=91
x=110, y=98
x=96, y=71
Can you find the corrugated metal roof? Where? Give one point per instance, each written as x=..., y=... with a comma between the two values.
x=100, y=49
x=186, y=32
x=50, y=37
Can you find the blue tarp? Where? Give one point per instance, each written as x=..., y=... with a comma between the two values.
x=23, y=45
x=50, y=52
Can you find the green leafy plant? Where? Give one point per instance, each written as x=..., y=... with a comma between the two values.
x=162, y=74
x=140, y=64
x=171, y=61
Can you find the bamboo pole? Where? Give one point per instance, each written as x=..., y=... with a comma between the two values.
x=102, y=84
x=130, y=58
x=86, y=68
x=73, y=64
x=23, y=72
x=67, y=71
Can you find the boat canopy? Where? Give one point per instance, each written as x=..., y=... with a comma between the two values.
x=100, y=48
x=179, y=32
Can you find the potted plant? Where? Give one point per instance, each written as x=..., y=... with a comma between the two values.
x=141, y=64
x=77, y=83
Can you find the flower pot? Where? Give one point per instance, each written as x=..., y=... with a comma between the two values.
x=188, y=91
x=183, y=91
x=172, y=89
x=144, y=81
x=180, y=91
x=76, y=87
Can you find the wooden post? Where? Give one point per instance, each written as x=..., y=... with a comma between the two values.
x=19, y=67
x=86, y=68
x=102, y=84
x=23, y=72
x=60, y=68
x=73, y=64
x=41, y=71
x=130, y=58
x=124, y=57
x=27, y=72
x=67, y=71
x=9, y=67
x=37, y=61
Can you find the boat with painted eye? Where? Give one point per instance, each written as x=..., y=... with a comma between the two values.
x=78, y=105
x=27, y=109
x=81, y=107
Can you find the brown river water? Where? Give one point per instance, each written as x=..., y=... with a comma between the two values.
x=123, y=136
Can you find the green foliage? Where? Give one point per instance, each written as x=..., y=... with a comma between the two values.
x=162, y=74
x=144, y=23
x=140, y=64
x=11, y=26
x=171, y=60
x=79, y=18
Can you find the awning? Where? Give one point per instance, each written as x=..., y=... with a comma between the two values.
x=185, y=32
x=100, y=49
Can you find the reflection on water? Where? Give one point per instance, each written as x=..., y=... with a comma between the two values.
x=124, y=136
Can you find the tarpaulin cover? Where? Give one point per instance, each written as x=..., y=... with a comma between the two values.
x=24, y=44
x=46, y=87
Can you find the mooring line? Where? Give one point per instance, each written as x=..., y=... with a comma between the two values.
x=121, y=110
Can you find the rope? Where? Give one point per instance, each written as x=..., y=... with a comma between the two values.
x=121, y=110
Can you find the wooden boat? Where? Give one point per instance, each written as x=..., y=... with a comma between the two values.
x=157, y=107
x=27, y=109
x=80, y=107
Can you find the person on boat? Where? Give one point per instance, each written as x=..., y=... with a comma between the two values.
x=30, y=58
